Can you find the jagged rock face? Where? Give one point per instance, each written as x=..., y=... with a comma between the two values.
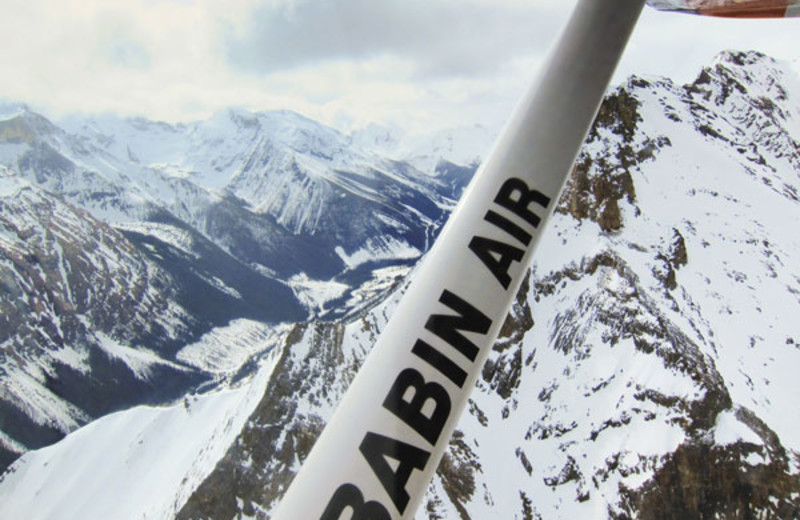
x=601, y=178
x=643, y=370
x=652, y=321
x=124, y=241
x=702, y=480
x=318, y=363
x=78, y=299
x=647, y=368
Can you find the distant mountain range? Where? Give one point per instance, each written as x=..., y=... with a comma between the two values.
x=124, y=241
x=242, y=267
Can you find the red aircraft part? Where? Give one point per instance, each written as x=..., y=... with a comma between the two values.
x=732, y=8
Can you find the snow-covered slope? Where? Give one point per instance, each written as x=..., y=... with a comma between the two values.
x=282, y=194
x=127, y=464
x=644, y=372
x=127, y=241
x=88, y=321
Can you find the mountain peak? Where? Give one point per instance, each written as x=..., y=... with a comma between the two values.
x=25, y=126
x=744, y=58
x=747, y=73
x=646, y=369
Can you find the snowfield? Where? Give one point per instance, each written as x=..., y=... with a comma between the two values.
x=140, y=463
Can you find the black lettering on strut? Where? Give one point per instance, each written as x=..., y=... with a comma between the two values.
x=508, y=226
x=440, y=362
x=411, y=412
x=349, y=496
x=376, y=449
x=468, y=319
x=497, y=256
x=514, y=195
x=423, y=405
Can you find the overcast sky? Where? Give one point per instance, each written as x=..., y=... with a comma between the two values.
x=412, y=63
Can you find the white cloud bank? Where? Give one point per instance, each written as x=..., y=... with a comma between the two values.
x=413, y=63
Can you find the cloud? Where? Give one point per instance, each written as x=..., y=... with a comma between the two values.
x=441, y=38
x=148, y=57
x=415, y=63
x=117, y=45
x=337, y=60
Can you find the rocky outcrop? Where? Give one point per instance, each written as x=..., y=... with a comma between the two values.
x=308, y=379
x=740, y=481
x=601, y=177
x=78, y=302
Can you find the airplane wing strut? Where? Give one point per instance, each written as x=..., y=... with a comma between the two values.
x=377, y=455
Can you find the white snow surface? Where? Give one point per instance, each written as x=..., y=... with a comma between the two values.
x=223, y=350
x=386, y=249
x=141, y=463
x=139, y=360
x=729, y=429
x=10, y=182
x=315, y=294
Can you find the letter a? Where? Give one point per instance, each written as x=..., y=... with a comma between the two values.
x=497, y=256
x=377, y=448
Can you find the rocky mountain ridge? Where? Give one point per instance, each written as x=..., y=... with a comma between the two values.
x=125, y=243
x=645, y=371
x=617, y=388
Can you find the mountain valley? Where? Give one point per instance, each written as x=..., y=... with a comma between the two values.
x=237, y=272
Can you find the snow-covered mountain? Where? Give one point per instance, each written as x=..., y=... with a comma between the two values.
x=88, y=321
x=277, y=191
x=127, y=243
x=646, y=371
